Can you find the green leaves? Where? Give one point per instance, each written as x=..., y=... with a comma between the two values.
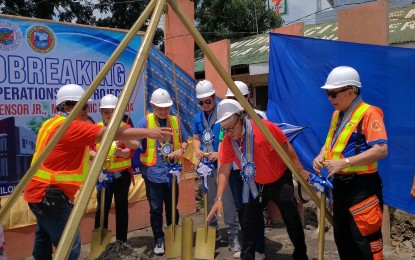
x=233, y=19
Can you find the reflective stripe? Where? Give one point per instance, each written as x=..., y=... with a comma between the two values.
x=149, y=157
x=116, y=163
x=335, y=152
x=45, y=175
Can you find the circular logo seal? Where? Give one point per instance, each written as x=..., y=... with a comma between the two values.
x=376, y=125
x=207, y=136
x=166, y=149
x=41, y=39
x=10, y=36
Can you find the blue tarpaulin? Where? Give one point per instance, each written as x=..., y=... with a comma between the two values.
x=299, y=66
x=160, y=73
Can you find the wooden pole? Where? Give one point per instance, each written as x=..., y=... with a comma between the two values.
x=241, y=99
x=72, y=226
x=322, y=227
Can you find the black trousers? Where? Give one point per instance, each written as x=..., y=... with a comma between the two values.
x=350, y=242
x=282, y=193
x=119, y=190
x=236, y=186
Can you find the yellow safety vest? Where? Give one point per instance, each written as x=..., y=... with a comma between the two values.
x=335, y=152
x=45, y=175
x=149, y=158
x=115, y=163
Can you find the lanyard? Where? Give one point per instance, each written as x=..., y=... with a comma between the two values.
x=207, y=135
x=345, y=118
x=246, y=159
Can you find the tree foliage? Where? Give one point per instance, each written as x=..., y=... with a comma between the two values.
x=63, y=10
x=234, y=19
x=124, y=14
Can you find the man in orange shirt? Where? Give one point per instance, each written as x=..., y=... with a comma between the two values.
x=356, y=141
x=52, y=189
x=265, y=175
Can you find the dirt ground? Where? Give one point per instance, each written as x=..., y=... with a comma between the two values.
x=278, y=246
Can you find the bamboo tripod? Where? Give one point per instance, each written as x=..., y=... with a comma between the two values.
x=155, y=7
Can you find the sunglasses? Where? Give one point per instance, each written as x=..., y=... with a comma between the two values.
x=334, y=93
x=207, y=102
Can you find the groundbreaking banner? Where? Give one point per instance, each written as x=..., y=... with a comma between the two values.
x=36, y=58
x=299, y=66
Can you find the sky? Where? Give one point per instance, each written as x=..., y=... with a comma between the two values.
x=299, y=9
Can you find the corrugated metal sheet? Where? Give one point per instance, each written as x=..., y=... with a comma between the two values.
x=255, y=49
x=250, y=50
x=401, y=27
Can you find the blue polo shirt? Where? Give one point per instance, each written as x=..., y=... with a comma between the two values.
x=159, y=173
x=198, y=129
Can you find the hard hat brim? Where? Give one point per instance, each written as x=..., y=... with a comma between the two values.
x=205, y=94
x=107, y=106
x=224, y=119
x=168, y=104
x=70, y=99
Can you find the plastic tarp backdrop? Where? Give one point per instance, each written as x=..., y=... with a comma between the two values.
x=299, y=66
x=162, y=73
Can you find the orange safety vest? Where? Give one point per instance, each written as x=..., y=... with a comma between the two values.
x=115, y=163
x=335, y=152
x=45, y=175
x=149, y=158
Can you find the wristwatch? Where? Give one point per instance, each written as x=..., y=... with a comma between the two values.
x=348, y=163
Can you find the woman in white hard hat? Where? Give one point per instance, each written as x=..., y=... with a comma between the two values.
x=51, y=191
x=157, y=158
x=115, y=177
x=266, y=177
x=356, y=141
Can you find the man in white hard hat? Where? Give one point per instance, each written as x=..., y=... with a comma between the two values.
x=157, y=158
x=356, y=141
x=205, y=144
x=247, y=94
x=51, y=191
x=235, y=179
x=265, y=175
x=115, y=177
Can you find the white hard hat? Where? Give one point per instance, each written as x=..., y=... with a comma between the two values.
x=226, y=108
x=241, y=86
x=342, y=76
x=69, y=92
x=204, y=89
x=108, y=101
x=161, y=98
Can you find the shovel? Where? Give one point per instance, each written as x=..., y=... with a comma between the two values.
x=173, y=233
x=205, y=237
x=101, y=236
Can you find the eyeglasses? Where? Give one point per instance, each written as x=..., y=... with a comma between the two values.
x=230, y=129
x=108, y=112
x=207, y=102
x=334, y=93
